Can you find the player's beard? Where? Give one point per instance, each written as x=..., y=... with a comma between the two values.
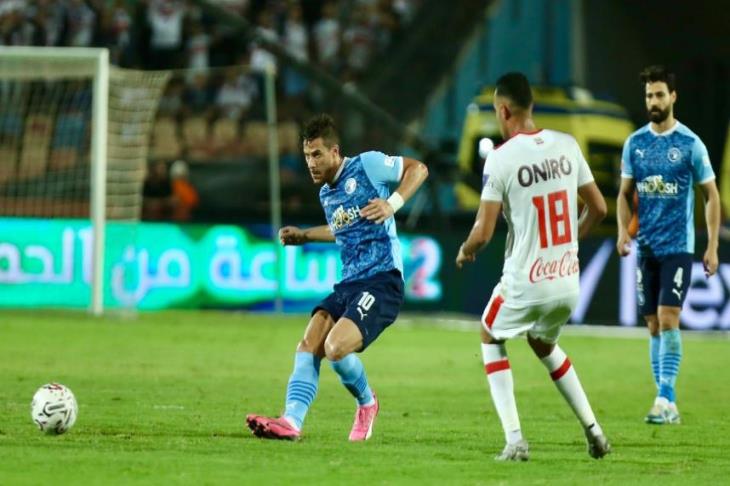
x=657, y=115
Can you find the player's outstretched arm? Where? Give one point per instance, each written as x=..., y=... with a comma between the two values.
x=415, y=173
x=712, y=218
x=292, y=235
x=481, y=233
x=623, y=215
x=594, y=210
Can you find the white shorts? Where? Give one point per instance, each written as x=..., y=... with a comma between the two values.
x=542, y=321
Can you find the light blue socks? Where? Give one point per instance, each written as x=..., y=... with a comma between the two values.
x=352, y=374
x=670, y=355
x=302, y=387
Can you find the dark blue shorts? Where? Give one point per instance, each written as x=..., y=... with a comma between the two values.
x=372, y=303
x=662, y=281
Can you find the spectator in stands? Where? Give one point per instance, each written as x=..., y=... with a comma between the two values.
x=185, y=196
x=165, y=18
x=157, y=197
x=11, y=23
x=261, y=58
x=197, y=96
x=120, y=33
x=171, y=102
x=327, y=37
x=198, y=45
x=296, y=42
x=81, y=22
x=236, y=94
x=358, y=42
x=386, y=23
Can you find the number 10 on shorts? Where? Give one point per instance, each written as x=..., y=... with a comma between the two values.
x=365, y=303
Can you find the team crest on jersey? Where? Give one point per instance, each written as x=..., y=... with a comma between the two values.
x=350, y=185
x=674, y=154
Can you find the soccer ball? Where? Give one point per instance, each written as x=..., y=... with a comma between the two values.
x=54, y=408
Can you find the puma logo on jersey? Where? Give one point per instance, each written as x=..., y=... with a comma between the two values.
x=640, y=153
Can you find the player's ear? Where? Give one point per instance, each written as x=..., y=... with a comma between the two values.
x=505, y=112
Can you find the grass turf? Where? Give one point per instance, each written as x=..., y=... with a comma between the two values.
x=163, y=398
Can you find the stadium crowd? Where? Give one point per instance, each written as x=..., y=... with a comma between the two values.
x=212, y=109
x=175, y=34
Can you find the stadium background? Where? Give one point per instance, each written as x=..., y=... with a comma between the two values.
x=400, y=76
x=189, y=344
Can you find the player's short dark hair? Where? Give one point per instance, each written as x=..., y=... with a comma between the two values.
x=654, y=74
x=321, y=126
x=516, y=87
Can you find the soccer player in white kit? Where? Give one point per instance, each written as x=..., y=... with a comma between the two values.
x=534, y=179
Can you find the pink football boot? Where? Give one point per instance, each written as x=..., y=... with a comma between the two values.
x=362, y=429
x=271, y=428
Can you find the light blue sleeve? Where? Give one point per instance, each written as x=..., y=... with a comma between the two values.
x=627, y=170
x=701, y=166
x=381, y=168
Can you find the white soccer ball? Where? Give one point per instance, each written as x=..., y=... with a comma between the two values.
x=54, y=408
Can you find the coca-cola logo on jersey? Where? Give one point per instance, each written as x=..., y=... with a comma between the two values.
x=547, y=170
x=551, y=269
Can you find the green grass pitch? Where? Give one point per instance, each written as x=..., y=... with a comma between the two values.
x=163, y=398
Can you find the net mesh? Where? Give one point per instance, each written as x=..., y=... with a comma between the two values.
x=133, y=100
x=45, y=134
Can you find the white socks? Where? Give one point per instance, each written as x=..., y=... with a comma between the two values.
x=501, y=385
x=566, y=379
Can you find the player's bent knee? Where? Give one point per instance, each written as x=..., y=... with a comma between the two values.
x=541, y=349
x=309, y=346
x=335, y=350
x=652, y=323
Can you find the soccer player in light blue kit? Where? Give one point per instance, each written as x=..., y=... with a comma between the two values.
x=663, y=161
x=359, y=209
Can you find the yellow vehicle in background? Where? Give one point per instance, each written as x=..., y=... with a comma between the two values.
x=600, y=127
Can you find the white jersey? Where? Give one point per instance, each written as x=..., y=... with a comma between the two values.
x=536, y=177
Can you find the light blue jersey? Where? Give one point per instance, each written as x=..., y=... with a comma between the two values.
x=366, y=248
x=665, y=168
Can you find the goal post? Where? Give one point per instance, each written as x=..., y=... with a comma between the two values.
x=63, y=63
x=74, y=135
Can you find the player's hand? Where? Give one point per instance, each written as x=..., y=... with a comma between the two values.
x=377, y=211
x=710, y=262
x=291, y=235
x=623, y=244
x=462, y=257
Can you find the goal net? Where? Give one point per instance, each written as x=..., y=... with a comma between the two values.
x=74, y=137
